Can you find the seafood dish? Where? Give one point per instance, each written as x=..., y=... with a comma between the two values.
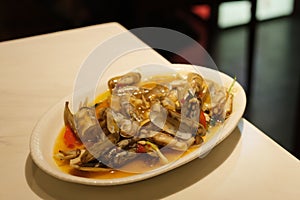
x=142, y=118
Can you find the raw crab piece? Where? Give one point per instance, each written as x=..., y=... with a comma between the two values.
x=126, y=90
x=75, y=159
x=152, y=150
x=105, y=153
x=111, y=123
x=198, y=84
x=69, y=118
x=191, y=108
x=174, y=123
x=154, y=92
x=170, y=104
x=220, y=105
x=130, y=78
x=117, y=157
x=158, y=115
x=84, y=123
x=96, y=151
x=67, y=155
x=164, y=139
x=189, y=124
x=118, y=123
x=93, y=165
x=126, y=142
x=228, y=105
x=129, y=128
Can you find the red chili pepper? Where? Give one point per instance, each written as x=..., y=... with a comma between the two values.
x=70, y=138
x=140, y=149
x=202, y=119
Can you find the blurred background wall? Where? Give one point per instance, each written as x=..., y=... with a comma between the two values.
x=262, y=51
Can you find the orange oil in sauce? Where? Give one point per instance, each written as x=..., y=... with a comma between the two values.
x=138, y=165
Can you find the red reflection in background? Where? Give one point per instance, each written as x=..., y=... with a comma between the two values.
x=202, y=11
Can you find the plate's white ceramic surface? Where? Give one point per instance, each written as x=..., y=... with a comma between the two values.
x=47, y=129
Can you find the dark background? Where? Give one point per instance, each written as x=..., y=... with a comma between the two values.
x=273, y=87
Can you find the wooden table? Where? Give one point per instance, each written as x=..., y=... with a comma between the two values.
x=37, y=72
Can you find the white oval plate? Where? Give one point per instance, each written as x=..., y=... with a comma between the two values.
x=48, y=127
